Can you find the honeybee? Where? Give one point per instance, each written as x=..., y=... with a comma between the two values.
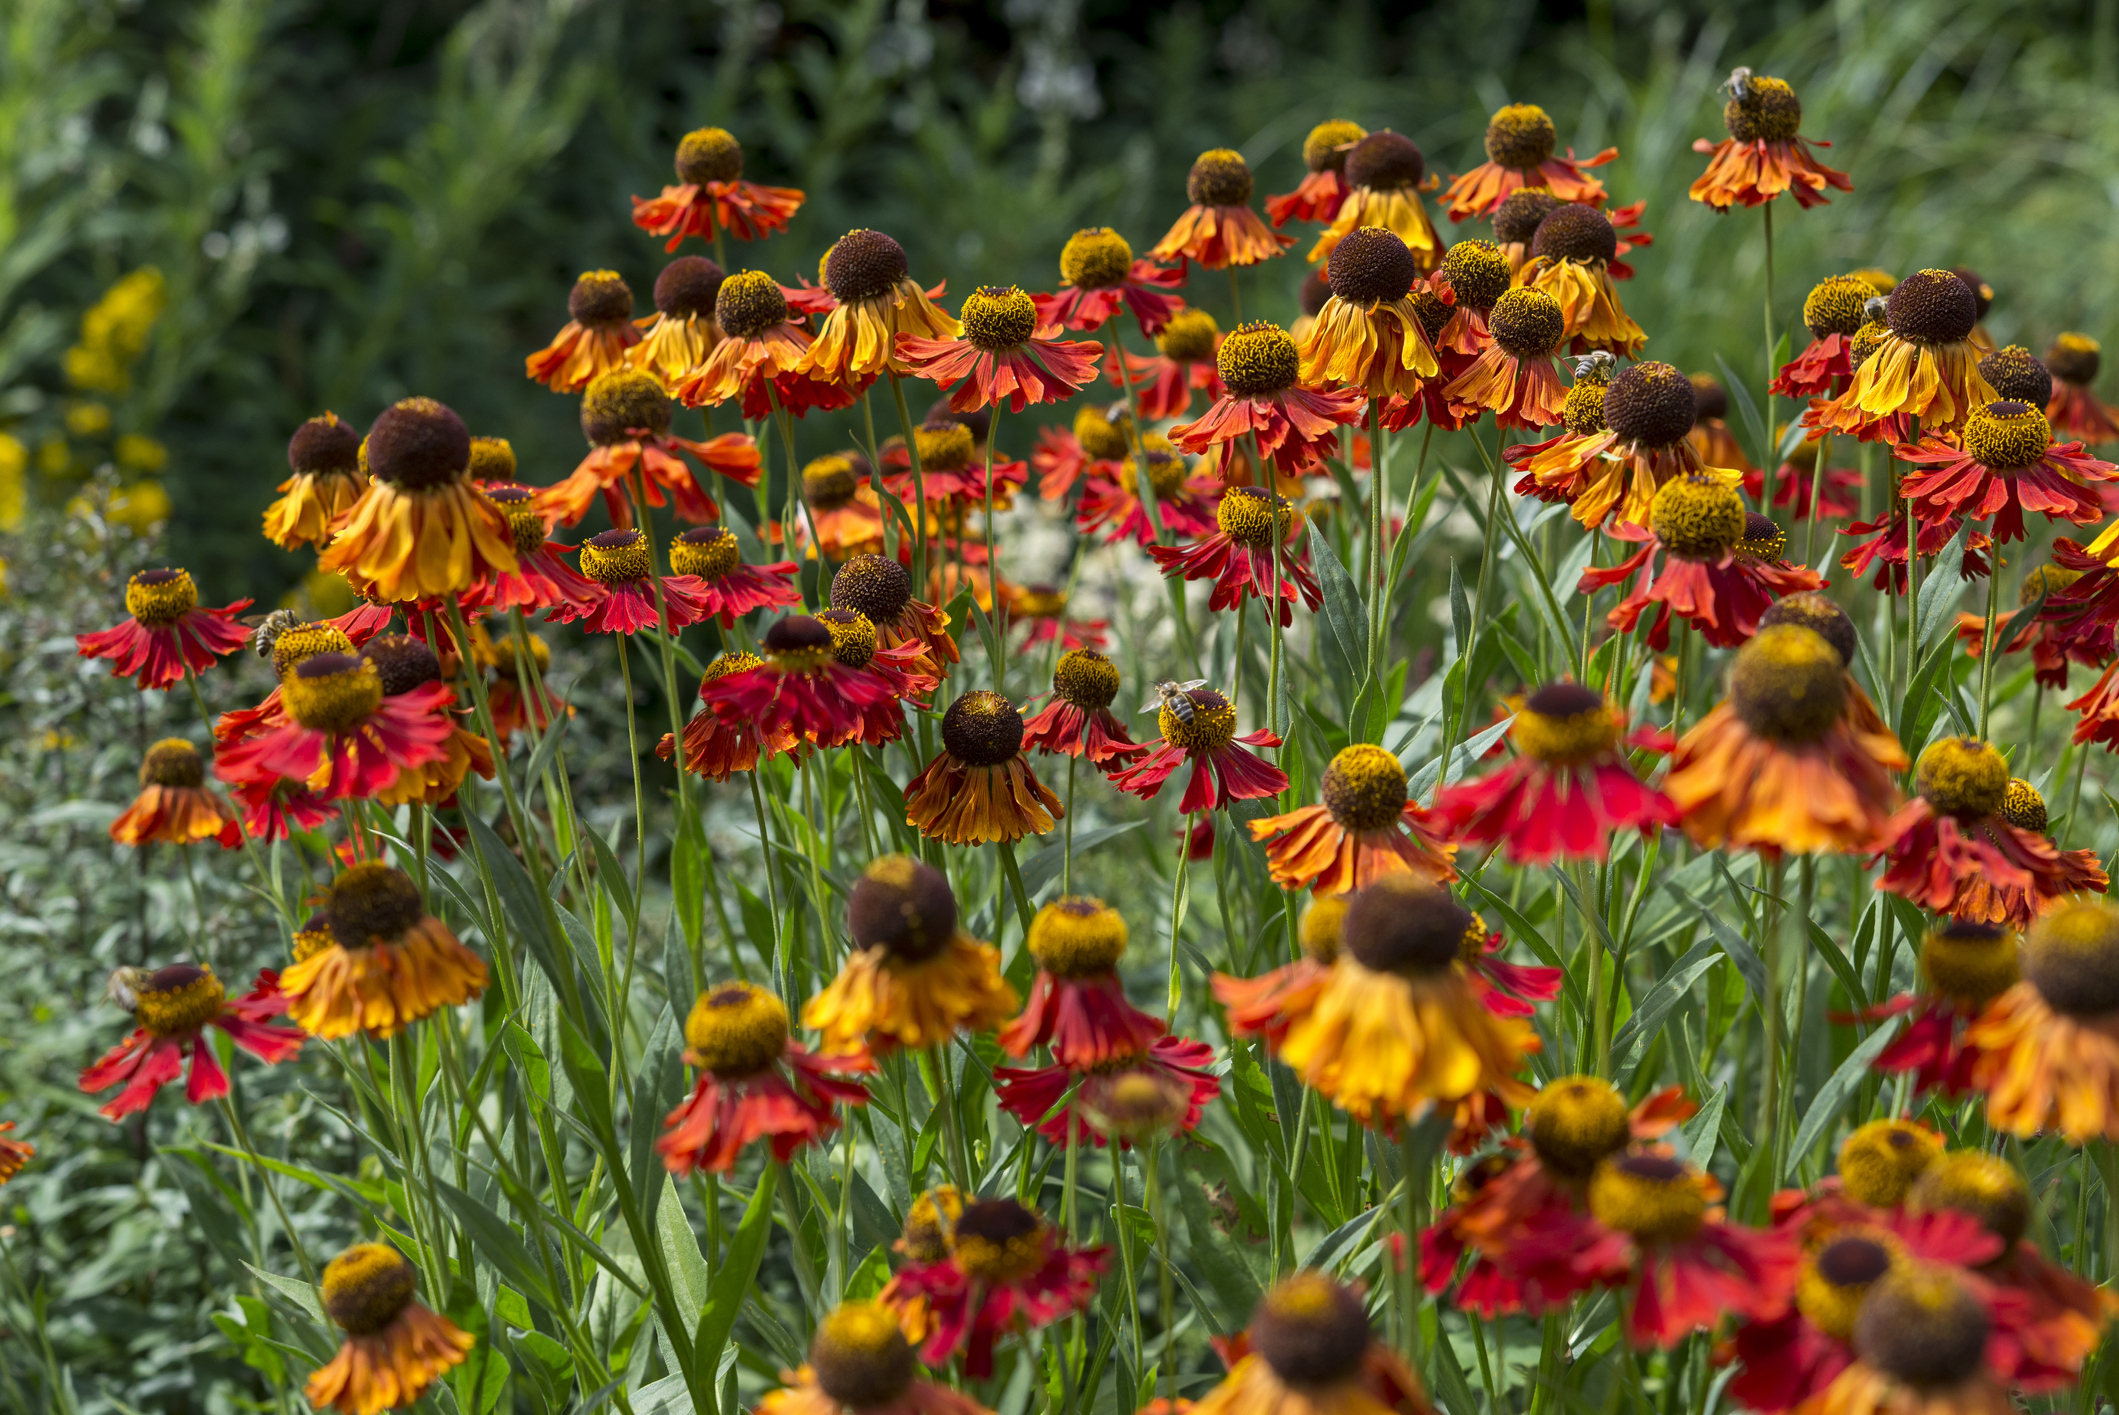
x=265, y=629
x=1738, y=84
x=123, y=986
x=1593, y=362
x=1874, y=308
x=1177, y=697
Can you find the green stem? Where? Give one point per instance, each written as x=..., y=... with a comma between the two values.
x=1074, y=762
x=1766, y=457
x=919, y=488
x=1989, y=650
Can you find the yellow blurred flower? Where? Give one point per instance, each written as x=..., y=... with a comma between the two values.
x=88, y=419
x=141, y=454
x=54, y=456
x=114, y=332
x=14, y=489
x=142, y=506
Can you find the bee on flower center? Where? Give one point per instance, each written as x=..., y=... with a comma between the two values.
x=1761, y=109
x=180, y=998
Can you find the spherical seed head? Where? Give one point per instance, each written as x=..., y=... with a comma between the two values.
x=863, y=265
x=1709, y=398
x=1365, y=788
x=1932, y=307
x=1866, y=341
x=1982, y=292
x=709, y=552
x=372, y=903
x=982, y=728
x=749, y=303
x=930, y=1224
x=2075, y=358
x=709, y=155
x=830, y=481
x=1518, y=216
x=876, y=585
x=736, y=1030
x=1766, y=111
x=1575, y=232
x=999, y=317
x=1251, y=515
x=1520, y=135
x=1136, y=1104
x=506, y=656
x=734, y=661
x=1220, y=177
x=1565, y=724
x=616, y=557
x=853, y=636
x=402, y=662
x=1788, y=684
x=1815, y=611
x=904, y=905
x=1696, y=516
x=1085, y=679
x=1970, y=963
x=2023, y=807
x=1973, y=1182
x=1575, y=1123
x=324, y=444
x=999, y=1240
x=304, y=642
x=943, y=447
x=1651, y=1197
x=158, y=598
x=492, y=460
x=1834, y=305
x=331, y=692
x=1762, y=539
x=688, y=287
x=1321, y=927
x=1213, y=724
x=1880, y=1160
x=1189, y=337
x=860, y=1357
x=621, y=402
x=1371, y=265
x=366, y=1286
x=1652, y=404
x=173, y=762
x=1432, y=313
x=1402, y=924
x=600, y=299
x=1478, y=273
x=1385, y=161
x=180, y=998
x=2006, y=435
x=1325, y=149
x=1077, y=937
x=1257, y=359
x=2072, y=957
x=1101, y=437
x=1583, y=412
x=1921, y=1326
x=1095, y=258
x=1833, y=1280
x=1964, y=777
x=2017, y=376
x=1527, y=323
x=1312, y=1330
x=417, y=444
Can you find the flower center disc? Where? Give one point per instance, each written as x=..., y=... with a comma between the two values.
x=1653, y=1198
x=1078, y=937
x=709, y=552
x=1365, y=788
x=1000, y=1241
x=1788, y=684
x=332, y=692
x=736, y=1030
x=1095, y=259
x=1213, y=724
x=861, y=1358
x=2072, y=957
x=159, y=598
x=904, y=905
x=178, y=999
x=1311, y=1330
x=1880, y=1160
x=366, y=1286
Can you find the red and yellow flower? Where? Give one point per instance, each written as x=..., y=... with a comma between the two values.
x=1309, y=1351
x=1006, y=1271
x=980, y=786
x=711, y=192
x=755, y=1083
x=1366, y=828
x=1765, y=153
x=1368, y=334
x=1077, y=1003
x=166, y=631
x=14, y=1154
x=595, y=339
x=625, y=415
x=1295, y=427
x=727, y=587
x=1078, y=722
x=388, y=962
x=1219, y=229
x=876, y=300
x=2074, y=361
x=1184, y=498
x=2003, y=463
x=1183, y=363
x=1520, y=141
x=1964, y=965
x=881, y=588
x=1834, y=311
x=1222, y=770
x=761, y=357
x=394, y=1348
x=1323, y=187
x=540, y=579
x=324, y=456
x=1920, y=1342
x=1721, y=566
x=1571, y=256
x=1239, y=557
x=800, y=691
x=174, y=807
x=1568, y=790
x=2048, y=1047
x=1514, y=376
x=714, y=747
x=1099, y=277
x=623, y=567
x=1786, y=762
x=860, y=1363
x=1634, y=442
x=1385, y=174
x=173, y=1007
x=340, y=734
x=914, y=979
x=676, y=340
x=1003, y=353
x=1926, y=366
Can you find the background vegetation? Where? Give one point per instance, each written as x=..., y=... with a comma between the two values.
x=349, y=203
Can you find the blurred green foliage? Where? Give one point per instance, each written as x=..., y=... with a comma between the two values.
x=350, y=203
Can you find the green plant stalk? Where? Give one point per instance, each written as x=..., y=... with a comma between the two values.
x=1178, y=867
x=1151, y=1171
x=919, y=487
x=1817, y=492
x=1989, y=650
x=1409, y=1227
x=1074, y=761
x=265, y=1177
x=1453, y=724
x=993, y=565
x=1766, y=456
x=772, y=890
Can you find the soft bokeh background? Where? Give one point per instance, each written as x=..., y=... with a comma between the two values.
x=219, y=217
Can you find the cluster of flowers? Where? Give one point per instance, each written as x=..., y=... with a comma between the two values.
x=1910, y=1275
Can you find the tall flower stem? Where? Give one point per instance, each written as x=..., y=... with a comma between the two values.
x=1074, y=762
x=919, y=486
x=993, y=564
x=1817, y=493
x=1178, y=879
x=1411, y=1162
x=265, y=1177
x=1453, y=723
x=1989, y=650
x=250, y=846
x=1379, y=553
x=1766, y=453
x=1166, y=1308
